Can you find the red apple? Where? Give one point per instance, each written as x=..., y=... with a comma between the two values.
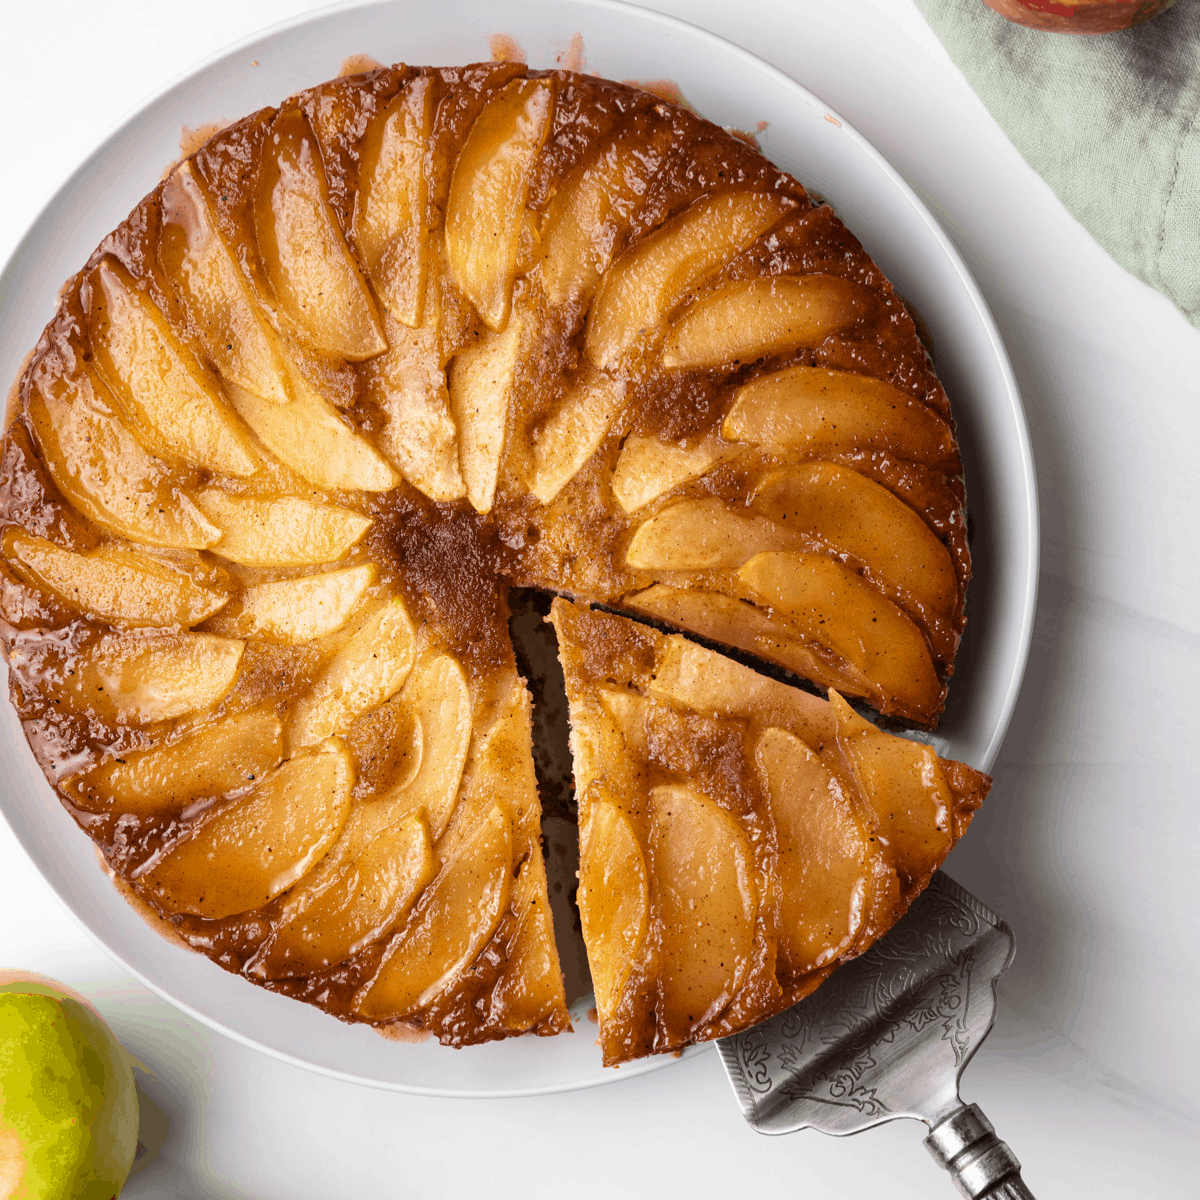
x=1079, y=16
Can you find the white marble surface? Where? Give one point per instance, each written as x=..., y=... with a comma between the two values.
x=1085, y=846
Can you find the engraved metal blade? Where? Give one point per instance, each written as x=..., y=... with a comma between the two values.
x=887, y=1036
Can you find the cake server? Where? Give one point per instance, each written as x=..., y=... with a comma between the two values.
x=887, y=1036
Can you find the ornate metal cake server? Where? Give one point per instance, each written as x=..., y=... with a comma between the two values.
x=887, y=1036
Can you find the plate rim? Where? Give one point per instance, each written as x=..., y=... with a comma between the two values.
x=1006, y=697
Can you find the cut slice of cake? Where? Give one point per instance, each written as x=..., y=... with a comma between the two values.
x=739, y=837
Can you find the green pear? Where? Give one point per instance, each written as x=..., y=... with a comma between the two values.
x=68, y=1104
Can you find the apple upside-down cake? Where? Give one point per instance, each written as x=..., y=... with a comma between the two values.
x=356, y=367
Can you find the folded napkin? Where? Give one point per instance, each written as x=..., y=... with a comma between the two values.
x=1110, y=121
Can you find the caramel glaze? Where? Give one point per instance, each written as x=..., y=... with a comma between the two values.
x=451, y=564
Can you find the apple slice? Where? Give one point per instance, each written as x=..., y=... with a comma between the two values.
x=387, y=743
x=438, y=696
x=825, y=412
x=322, y=296
x=149, y=679
x=702, y=534
x=690, y=676
x=481, y=387
x=366, y=902
x=103, y=471
x=308, y=436
x=257, y=847
x=121, y=586
x=613, y=897
x=165, y=391
x=854, y=515
x=280, y=531
x=531, y=988
x=752, y=318
x=489, y=191
x=213, y=290
x=457, y=916
x=905, y=789
x=707, y=904
x=826, y=859
x=631, y=714
x=592, y=208
x=648, y=468
x=370, y=667
x=725, y=619
x=298, y=610
x=572, y=433
x=214, y=760
x=390, y=215
x=641, y=288
x=408, y=382
x=835, y=607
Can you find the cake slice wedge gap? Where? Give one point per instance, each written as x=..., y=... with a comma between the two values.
x=740, y=838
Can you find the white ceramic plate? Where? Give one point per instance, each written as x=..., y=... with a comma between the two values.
x=725, y=84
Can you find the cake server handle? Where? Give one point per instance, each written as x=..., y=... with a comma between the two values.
x=981, y=1165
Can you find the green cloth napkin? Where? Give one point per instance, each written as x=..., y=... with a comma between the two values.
x=1110, y=121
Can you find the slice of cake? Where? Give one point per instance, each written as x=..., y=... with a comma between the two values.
x=739, y=838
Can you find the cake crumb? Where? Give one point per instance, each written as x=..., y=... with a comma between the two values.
x=664, y=89
x=572, y=58
x=190, y=140
x=505, y=48
x=358, y=64
x=399, y=1031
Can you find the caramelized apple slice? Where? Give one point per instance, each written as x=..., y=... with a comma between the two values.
x=213, y=290
x=642, y=287
x=281, y=531
x=690, y=676
x=321, y=293
x=631, y=714
x=752, y=318
x=122, y=586
x=489, y=191
x=613, y=897
x=573, y=431
x=298, y=610
x=371, y=897
x=590, y=210
x=102, y=470
x=257, y=847
x=387, y=743
x=211, y=761
x=165, y=391
x=707, y=903
x=692, y=535
x=438, y=696
x=481, y=385
x=408, y=383
x=825, y=857
x=833, y=606
x=390, y=218
x=854, y=515
x=531, y=988
x=824, y=412
x=905, y=788
x=149, y=679
x=725, y=619
x=309, y=437
x=370, y=667
x=456, y=918
x=648, y=468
